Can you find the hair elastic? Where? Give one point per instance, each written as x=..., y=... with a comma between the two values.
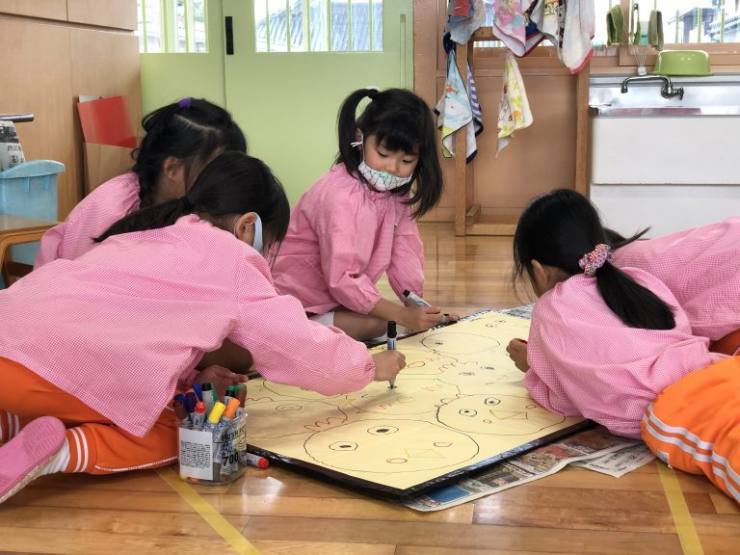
x=592, y=261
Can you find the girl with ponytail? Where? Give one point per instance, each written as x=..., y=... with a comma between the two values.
x=359, y=220
x=93, y=349
x=179, y=140
x=604, y=341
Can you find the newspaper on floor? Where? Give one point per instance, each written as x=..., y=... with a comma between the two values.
x=593, y=444
x=620, y=463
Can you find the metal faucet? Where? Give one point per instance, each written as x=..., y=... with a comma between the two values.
x=667, y=91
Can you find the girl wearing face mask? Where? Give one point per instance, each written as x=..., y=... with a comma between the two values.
x=358, y=221
x=93, y=349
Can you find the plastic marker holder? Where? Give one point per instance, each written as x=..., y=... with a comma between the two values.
x=215, y=452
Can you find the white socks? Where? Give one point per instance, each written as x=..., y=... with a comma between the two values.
x=58, y=462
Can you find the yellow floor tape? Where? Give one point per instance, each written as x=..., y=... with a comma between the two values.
x=682, y=520
x=223, y=527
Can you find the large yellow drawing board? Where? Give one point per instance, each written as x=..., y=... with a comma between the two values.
x=459, y=405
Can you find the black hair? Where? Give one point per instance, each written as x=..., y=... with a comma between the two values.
x=616, y=240
x=231, y=184
x=400, y=120
x=190, y=130
x=557, y=229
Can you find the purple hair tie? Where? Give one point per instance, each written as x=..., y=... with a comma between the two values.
x=185, y=102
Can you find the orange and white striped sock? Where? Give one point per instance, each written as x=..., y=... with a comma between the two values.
x=79, y=451
x=10, y=425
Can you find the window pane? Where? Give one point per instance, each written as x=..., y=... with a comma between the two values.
x=154, y=26
x=140, y=30
x=198, y=8
x=360, y=25
x=318, y=13
x=260, y=23
x=339, y=25
x=278, y=26
x=297, y=25
x=377, y=25
x=181, y=44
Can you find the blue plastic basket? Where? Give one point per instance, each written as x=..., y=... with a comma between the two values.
x=30, y=190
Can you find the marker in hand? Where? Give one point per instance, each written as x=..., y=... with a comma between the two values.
x=416, y=300
x=392, y=334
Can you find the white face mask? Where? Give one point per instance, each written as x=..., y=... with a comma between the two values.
x=380, y=180
x=257, y=241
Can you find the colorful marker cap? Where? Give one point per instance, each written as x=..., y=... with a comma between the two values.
x=230, y=411
x=200, y=407
x=216, y=412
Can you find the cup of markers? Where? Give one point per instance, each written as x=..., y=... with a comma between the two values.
x=212, y=435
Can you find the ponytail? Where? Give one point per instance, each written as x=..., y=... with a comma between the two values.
x=635, y=305
x=400, y=120
x=562, y=227
x=616, y=240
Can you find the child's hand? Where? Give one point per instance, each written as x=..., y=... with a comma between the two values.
x=388, y=364
x=421, y=318
x=220, y=377
x=517, y=350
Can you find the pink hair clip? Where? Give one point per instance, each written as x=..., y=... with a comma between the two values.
x=592, y=261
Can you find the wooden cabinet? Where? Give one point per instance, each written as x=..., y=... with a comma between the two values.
x=116, y=14
x=46, y=66
x=47, y=9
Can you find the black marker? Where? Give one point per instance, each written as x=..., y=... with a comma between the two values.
x=392, y=347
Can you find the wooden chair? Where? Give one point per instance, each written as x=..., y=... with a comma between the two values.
x=16, y=230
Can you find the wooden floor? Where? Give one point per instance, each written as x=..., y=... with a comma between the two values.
x=279, y=511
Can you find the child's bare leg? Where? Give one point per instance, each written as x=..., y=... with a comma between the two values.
x=359, y=326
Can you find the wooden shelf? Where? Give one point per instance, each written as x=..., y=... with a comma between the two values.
x=468, y=216
x=492, y=225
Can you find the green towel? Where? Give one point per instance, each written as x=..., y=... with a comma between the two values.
x=614, y=25
x=655, y=30
x=635, y=30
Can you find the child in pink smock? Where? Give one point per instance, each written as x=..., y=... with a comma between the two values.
x=604, y=342
x=93, y=349
x=358, y=221
x=701, y=267
x=180, y=139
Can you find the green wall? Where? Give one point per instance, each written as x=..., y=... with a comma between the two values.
x=286, y=103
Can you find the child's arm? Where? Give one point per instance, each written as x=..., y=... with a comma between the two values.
x=410, y=317
x=289, y=348
x=407, y=259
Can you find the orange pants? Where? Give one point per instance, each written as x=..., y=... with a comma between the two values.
x=694, y=425
x=729, y=344
x=97, y=446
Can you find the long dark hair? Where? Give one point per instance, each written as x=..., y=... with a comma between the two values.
x=400, y=120
x=231, y=184
x=557, y=229
x=190, y=130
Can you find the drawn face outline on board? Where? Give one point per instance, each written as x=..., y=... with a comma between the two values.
x=411, y=397
x=451, y=343
x=390, y=446
x=496, y=414
x=290, y=417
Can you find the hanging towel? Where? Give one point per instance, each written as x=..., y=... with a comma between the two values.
x=513, y=110
x=577, y=49
x=532, y=33
x=463, y=21
x=614, y=25
x=655, y=30
x=453, y=108
x=548, y=17
x=509, y=24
